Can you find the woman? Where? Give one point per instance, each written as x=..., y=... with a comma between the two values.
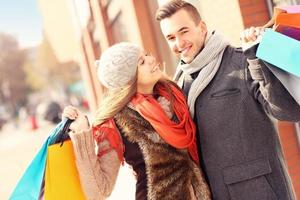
x=144, y=120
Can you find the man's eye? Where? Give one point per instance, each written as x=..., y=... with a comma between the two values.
x=142, y=62
x=171, y=38
x=183, y=32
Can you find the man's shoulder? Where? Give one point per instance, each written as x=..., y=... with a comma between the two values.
x=233, y=50
x=233, y=54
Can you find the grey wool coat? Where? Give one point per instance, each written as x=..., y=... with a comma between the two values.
x=238, y=141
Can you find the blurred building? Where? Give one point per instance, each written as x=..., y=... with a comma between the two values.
x=80, y=30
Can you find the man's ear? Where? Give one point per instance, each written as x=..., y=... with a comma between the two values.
x=203, y=27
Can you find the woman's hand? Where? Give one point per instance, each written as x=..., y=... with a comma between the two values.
x=80, y=120
x=70, y=112
x=251, y=36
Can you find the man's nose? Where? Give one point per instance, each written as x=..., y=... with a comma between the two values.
x=179, y=43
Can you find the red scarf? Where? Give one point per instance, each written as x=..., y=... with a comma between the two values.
x=181, y=135
x=109, y=131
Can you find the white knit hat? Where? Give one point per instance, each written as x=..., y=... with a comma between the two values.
x=117, y=65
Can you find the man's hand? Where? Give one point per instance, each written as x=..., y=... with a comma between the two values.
x=251, y=36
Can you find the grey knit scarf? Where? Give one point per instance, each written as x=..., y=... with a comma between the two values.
x=207, y=62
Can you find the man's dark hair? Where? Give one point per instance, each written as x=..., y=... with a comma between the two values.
x=173, y=6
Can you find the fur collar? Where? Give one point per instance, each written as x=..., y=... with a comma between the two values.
x=171, y=173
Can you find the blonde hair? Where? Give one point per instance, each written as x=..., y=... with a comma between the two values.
x=115, y=100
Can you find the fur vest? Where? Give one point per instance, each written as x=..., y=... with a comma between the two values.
x=171, y=173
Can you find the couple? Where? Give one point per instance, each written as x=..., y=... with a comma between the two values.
x=231, y=152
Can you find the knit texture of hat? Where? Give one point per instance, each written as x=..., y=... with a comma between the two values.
x=118, y=65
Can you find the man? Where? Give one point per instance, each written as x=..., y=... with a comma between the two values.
x=232, y=100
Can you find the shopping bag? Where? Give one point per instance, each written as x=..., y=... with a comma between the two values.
x=290, y=9
x=289, y=81
x=288, y=19
x=281, y=51
x=284, y=16
x=30, y=184
x=289, y=31
x=61, y=176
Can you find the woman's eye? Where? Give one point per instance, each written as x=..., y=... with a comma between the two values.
x=143, y=62
x=171, y=38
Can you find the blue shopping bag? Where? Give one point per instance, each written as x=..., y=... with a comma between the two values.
x=30, y=185
x=281, y=51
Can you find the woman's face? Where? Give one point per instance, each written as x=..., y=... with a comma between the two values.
x=149, y=71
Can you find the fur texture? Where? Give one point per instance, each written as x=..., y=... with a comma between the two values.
x=171, y=173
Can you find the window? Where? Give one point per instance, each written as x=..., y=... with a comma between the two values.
x=117, y=21
x=285, y=2
x=119, y=28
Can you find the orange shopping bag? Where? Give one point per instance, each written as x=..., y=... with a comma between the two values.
x=288, y=19
x=288, y=16
x=61, y=176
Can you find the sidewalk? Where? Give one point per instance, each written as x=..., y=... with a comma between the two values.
x=19, y=146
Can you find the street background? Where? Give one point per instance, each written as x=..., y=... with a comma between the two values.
x=18, y=146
